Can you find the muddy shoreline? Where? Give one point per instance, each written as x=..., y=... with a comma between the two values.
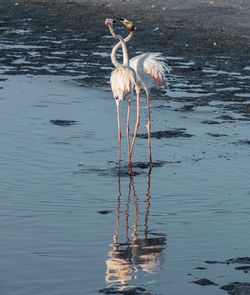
x=207, y=44
x=200, y=31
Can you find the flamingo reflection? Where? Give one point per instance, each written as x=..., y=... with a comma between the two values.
x=133, y=256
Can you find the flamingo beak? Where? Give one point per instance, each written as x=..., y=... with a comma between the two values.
x=121, y=19
x=128, y=24
x=109, y=21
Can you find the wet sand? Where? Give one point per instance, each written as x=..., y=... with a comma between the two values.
x=68, y=217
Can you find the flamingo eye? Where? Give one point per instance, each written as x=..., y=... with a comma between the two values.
x=116, y=98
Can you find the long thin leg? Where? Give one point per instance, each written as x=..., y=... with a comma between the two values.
x=149, y=130
x=119, y=132
x=137, y=124
x=127, y=126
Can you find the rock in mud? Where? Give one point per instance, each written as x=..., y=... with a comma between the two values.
x=245, y=268
x=237, y=288
x=244, y=141
x=226, y=118
x=63, y=123
x=210, y=122
x=103, y=212
x=204, y=282
x=166, y=134
x=240, y=260
x=146, y=165
x=186, y=108
x=216, y=135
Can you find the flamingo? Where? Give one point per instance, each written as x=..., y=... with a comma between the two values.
x=122, y=82
x=150, y=69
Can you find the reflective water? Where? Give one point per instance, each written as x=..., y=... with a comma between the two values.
x=72, y=222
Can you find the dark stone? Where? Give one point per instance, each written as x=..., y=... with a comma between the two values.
x=244, y=141
x=63, y=122
x=244, y=267
x=216, y=135
x=204, y=282
x=104, y=211
x=186, y=108
x=146, y=165
x=211, y=261
x=225, y=118
x=210, y=122
x=240, y=260
x=166, y=134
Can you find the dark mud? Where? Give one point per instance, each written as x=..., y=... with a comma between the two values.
x=240, y=260
x=245, y=268
x=207, y=51
x=237, y=288
x=243, y=142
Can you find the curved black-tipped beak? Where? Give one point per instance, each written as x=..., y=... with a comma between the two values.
x=121, y=19
x=128, y=24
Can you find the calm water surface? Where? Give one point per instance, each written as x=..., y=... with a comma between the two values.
x=57, y=183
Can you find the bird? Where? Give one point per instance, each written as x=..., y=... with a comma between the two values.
x=150, y=69
x=123, y=81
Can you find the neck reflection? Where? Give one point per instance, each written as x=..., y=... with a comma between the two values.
x=134, y=249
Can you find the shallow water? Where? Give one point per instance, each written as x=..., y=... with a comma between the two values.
x=72, y=224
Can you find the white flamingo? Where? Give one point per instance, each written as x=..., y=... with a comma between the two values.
x=123, y=81
x=150, y=69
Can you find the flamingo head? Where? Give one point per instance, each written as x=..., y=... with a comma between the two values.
x=109, y=21
x=128, y=24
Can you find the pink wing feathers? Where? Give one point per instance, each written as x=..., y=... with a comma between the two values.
x=155, y=66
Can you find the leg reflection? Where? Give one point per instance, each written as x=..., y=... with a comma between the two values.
x=143, y=252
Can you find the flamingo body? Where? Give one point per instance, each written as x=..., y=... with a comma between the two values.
x=122, y=82
x=150, y=70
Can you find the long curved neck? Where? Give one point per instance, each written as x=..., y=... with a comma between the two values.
x=116, y=47
x=124, y=50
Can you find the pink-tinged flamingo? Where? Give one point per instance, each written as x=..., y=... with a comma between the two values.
x=150, y=69
x=123, y=81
